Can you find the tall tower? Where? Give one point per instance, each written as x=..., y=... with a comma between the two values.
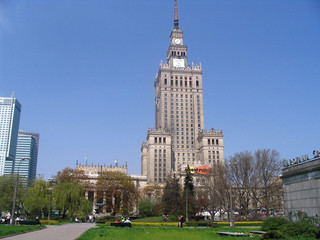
x=27, y=147
x=10, y=110
x=179, y=116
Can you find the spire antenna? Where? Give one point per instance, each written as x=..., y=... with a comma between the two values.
x=176, y=20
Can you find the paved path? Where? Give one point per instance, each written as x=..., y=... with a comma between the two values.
x=68, y=231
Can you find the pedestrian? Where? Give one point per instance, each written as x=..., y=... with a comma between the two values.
x=181, y=220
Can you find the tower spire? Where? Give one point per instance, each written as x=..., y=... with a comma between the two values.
x=176, y=20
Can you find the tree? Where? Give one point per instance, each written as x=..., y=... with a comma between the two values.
x=117, y=190
x=68, y=198
x=146, y=208
x=188, y=193
x=171, y=198
x=37, y=198
x=7, y=186
x=242, y=176
x=268, y=186
x=70, y=175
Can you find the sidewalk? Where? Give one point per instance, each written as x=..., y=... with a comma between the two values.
x=68, y=231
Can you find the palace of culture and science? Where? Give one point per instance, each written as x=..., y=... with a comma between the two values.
x=179, y=137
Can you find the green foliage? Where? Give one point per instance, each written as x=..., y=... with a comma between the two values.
x=68, y=198
x=7, y=185
x=49, y=222
x=273, y=234
x=146, y=208
x=37, y=199
x=6, y=230
x=171, y=198
x=273, y=223
x=105, y=219
x=118, y=190
x=296, y=229
x=151, y=233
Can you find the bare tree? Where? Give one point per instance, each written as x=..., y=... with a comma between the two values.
x=268, y=186
x=242, y=175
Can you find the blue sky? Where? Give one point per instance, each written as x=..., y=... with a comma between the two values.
x=84, y=71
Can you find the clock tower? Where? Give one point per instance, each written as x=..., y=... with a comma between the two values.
x=177, y=51
x=179, y=138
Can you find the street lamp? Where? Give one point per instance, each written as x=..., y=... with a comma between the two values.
x=50, y=180
x=231, y=207
x=15, y=192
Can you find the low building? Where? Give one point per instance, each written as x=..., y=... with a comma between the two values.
x=301, y=185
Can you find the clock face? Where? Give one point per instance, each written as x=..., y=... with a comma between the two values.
x=177, y=41
x=178, y=63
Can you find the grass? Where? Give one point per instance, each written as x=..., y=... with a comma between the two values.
x=159, y=233
x=6, y=230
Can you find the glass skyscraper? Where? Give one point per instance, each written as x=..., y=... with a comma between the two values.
x=27, y=148
x=10, y=110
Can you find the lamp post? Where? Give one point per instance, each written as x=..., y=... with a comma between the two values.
x=15, y=192
x=50, y=180
x=231, y=207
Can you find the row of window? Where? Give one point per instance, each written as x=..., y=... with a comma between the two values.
x=159, y=140
x=212, y=142
x=178, y=53
x=175, y=83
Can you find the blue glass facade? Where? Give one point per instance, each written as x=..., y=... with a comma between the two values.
x=27, y=148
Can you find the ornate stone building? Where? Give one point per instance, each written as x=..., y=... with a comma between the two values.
x=179, y=138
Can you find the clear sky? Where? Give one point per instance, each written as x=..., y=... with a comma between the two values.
x=84, y=71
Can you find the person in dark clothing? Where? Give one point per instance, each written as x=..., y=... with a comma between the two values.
x=181, y=220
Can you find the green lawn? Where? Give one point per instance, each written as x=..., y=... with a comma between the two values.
x=6, y=230
x=160, y=233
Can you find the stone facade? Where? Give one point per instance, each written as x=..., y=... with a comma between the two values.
x=301, y=186
x=179, y=117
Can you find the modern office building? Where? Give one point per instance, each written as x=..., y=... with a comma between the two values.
x=179, y=137
x=301, y=185
x=27, y=154
x=10, y=110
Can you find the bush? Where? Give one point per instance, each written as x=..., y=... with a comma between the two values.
x=146, y=208
x=273, y=223
x=303, y=229
x=49, y=222
x=106, y=219
x=273, y=234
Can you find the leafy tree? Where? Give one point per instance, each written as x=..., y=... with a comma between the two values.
x=70, y=175
x=37, y=198
x=117, y=190
x=7, y=186
x=68, y=198
x=188, y=193
x=171, y=198
x=146, y=208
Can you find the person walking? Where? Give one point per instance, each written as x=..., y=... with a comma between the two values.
x=181, y=220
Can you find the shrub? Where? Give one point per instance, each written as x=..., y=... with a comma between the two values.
x=146, y=208
x=273, y=234
x=49, y=222
x=273, y=223
x=295, y=229
x=106, y=219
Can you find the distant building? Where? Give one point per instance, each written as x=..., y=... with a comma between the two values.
x=92, y=173
x=301, y=185
x=10, y=110
x=27, y=148
x=179, y=138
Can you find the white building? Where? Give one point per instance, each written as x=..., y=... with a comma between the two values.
x=10, y=110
